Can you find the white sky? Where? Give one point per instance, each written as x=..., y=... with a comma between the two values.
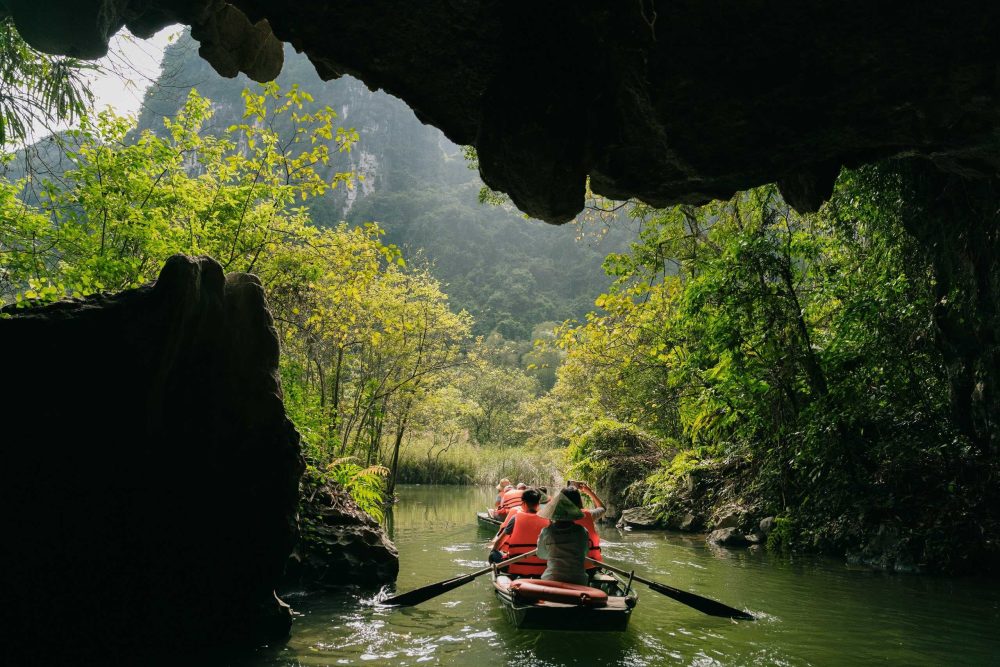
x=131, y=65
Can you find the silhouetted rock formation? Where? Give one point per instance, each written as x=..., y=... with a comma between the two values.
x=149, y=475
x=669, y=102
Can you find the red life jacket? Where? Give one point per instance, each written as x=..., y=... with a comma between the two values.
x=510, y=500
x=595, y=540
x=524, y=538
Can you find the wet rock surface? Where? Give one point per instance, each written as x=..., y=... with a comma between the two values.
x=641, y=518
x=665, y=101
x=728, y=537
x=728, y=517
x=885, y=551
x=150, y=476
x=340, y=544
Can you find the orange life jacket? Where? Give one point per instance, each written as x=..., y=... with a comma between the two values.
x=524, y=538
x=595, y=540
x=510, y=500
x=502, y=544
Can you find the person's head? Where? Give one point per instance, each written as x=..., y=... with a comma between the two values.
x=543, y=489
x=573, y=494
x=561, y=508
x=530, y=499
x=504, y=483
x=521, y=486
x=508, y=488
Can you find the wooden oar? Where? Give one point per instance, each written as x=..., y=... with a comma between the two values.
x=429, y=591
x=702, y=604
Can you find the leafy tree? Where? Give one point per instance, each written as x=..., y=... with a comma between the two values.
x=498, y=394
x=798, y=348
x=36, y=88
x=123, y=207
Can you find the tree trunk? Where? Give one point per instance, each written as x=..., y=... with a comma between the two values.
x=394, y=467
x=335, y=398
x=817, y=379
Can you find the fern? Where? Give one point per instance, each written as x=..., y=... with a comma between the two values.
x=365, y=485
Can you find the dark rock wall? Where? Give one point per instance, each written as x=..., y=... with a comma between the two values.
x=149, y=474
x=341, y=544
x=665, y=100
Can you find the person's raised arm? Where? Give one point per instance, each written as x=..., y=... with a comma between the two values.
x=583, y=486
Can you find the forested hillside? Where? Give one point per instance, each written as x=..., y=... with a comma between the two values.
x=508, y=272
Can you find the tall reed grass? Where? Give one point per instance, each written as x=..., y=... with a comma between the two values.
x=421, y=461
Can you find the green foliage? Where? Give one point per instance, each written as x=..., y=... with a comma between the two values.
x=782, y=536
x=535, y=468
x=796, y=351
x=613, y=456
x=123, y=207
x=498, y=394
x=594, y=452
x=36, y=88
x=366, y=484
x=466, y=463
x=665, y=481
x=486, y=194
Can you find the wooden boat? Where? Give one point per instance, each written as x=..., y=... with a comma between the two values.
x=550, y=614
x=486, y=521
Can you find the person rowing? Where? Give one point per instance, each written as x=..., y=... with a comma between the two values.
x=519, y=535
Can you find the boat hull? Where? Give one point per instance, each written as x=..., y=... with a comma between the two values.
x=558, y=616
x=486, y=521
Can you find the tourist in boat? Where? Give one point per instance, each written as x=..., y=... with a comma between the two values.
x=510, y=501
x=501, y=487
x=589, y=517
x=501, y=490
x=564, y=543
x=519, y=535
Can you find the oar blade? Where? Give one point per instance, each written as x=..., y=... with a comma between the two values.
x=429, y=591
x=701, y=603
x=425, y=593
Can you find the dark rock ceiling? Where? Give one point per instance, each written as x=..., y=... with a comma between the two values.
x=678, y=101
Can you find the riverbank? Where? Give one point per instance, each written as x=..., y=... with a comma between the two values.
x=721, y=499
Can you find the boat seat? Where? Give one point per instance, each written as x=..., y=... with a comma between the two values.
x=558, y=591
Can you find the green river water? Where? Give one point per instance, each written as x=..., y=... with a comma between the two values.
x=811, y=611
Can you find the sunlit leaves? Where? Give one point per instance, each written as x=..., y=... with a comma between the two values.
x=36, y=88
x=800, y=344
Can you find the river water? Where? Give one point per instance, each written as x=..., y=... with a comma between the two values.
x=812, y=611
